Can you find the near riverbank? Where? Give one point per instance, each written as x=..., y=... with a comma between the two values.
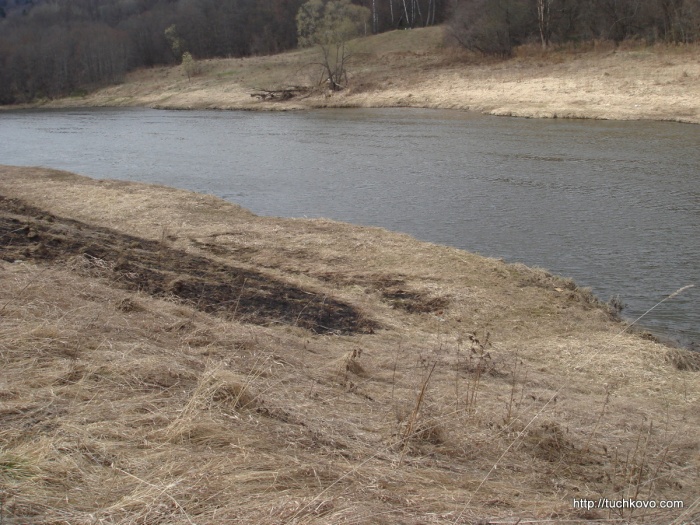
x=172, y=358
x=416, y=69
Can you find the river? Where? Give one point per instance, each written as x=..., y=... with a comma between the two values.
x=614, y=205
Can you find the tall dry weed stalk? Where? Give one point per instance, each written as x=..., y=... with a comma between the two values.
x=514, y=380
x=478, y=361
x=411, y=424
x=600, y=417
x=518, y=439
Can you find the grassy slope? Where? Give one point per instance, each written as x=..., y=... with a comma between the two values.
x=415, y=69
x=124, y=400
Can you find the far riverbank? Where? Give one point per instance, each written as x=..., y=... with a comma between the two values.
x=416, y=69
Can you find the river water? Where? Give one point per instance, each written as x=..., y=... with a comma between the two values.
x=614, y=205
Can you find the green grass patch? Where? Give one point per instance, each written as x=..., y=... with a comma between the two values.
x=14, y=467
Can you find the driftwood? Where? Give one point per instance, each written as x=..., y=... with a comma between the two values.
x=280, y=94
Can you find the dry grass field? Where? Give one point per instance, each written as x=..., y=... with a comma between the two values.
x=170, y=358
x=417, y=69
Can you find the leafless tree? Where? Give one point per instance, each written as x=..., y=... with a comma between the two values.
x=490, y=27
x=544, y=19
x=329, y=24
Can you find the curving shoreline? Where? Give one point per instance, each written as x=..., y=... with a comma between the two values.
x=172, y=357
x=137, y=355
x=415, y=69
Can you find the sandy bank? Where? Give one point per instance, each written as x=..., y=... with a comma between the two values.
x=170, y=357
x=415, y=69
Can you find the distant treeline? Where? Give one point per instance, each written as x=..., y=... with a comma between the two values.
x=57, y=47
x=51, y=48
x=497, y=26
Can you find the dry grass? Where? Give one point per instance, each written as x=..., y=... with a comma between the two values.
x=509, y=394
x=417, y=69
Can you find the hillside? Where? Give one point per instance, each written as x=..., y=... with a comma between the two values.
x=416, y=69
x=172, y=358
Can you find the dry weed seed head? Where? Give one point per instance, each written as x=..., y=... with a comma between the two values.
x=122, y=404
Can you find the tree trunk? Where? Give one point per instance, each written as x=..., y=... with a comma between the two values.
x=374, y=17
x=544, y=16
x=420, y=15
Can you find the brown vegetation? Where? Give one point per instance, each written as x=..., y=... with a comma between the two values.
x=158, y=270
x=79, y=45
x=416, y=69
x=478, y=392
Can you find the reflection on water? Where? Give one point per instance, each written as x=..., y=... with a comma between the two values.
x=615, y=205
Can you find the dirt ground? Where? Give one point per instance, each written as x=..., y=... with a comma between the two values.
x=418, y=69
x=172, y=358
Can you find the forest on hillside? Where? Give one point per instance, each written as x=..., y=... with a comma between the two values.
x=495, y=27
x=52, y=48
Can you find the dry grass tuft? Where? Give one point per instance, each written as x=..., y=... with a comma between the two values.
x=685, y=360
x=350, y=363
x=120, y=405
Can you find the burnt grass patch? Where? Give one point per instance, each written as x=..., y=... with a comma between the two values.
x=414, y=302
x=393, y=292
x=133, y=263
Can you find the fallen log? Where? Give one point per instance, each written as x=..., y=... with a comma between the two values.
x=280, y=94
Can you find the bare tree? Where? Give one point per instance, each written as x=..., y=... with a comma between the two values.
x=375, y=18
x=544, y=19
x=490, y=27
x=329, y=24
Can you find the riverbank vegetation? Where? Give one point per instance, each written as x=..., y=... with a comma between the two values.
x=54, y=48
x=416, y=69
x=495, y=27
x=50, y=49
x=172, y=358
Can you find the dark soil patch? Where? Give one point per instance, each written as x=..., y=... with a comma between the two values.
x=392, y=290
x=414, y=302
x=28, y=233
